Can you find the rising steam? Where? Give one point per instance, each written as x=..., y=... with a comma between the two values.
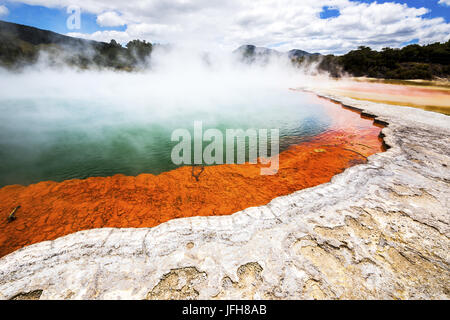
x=55, y=117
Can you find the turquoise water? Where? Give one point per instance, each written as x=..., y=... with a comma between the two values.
x=57, y=139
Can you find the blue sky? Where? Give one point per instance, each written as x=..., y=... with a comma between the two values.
x=53, y=19
x=324, y=26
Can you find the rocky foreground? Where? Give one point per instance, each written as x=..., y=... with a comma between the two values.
x=378, y=230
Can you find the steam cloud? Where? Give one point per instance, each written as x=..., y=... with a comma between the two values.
x=48, y=113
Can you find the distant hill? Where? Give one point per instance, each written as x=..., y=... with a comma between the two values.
x=23, y=45
x=296, y=53
x=251, y=53
x=410, y=62
x=37, y=36
x=249, y=49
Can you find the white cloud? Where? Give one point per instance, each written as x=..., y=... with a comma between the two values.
x=230, y=23
x=3, y=11
x=446, y=2
x=105, y=36
x=110, y=19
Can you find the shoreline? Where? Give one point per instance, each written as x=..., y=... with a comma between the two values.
x=53, y=209
x=426, y=95
x=436, y=84
x=378, y=230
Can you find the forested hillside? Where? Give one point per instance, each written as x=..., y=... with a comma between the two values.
x=411, y=62
x=22, y=45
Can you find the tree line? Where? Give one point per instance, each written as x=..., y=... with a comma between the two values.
x=23, y=45
x=410, y=62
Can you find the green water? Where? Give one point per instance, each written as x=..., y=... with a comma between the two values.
x=55, y=139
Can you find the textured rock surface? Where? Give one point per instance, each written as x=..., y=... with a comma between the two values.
x=49, y=210
x=378, y=230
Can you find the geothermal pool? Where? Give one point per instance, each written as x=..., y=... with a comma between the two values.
x=320, y=138
x=57, y=139
x=431, y=97
x=93, y=149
